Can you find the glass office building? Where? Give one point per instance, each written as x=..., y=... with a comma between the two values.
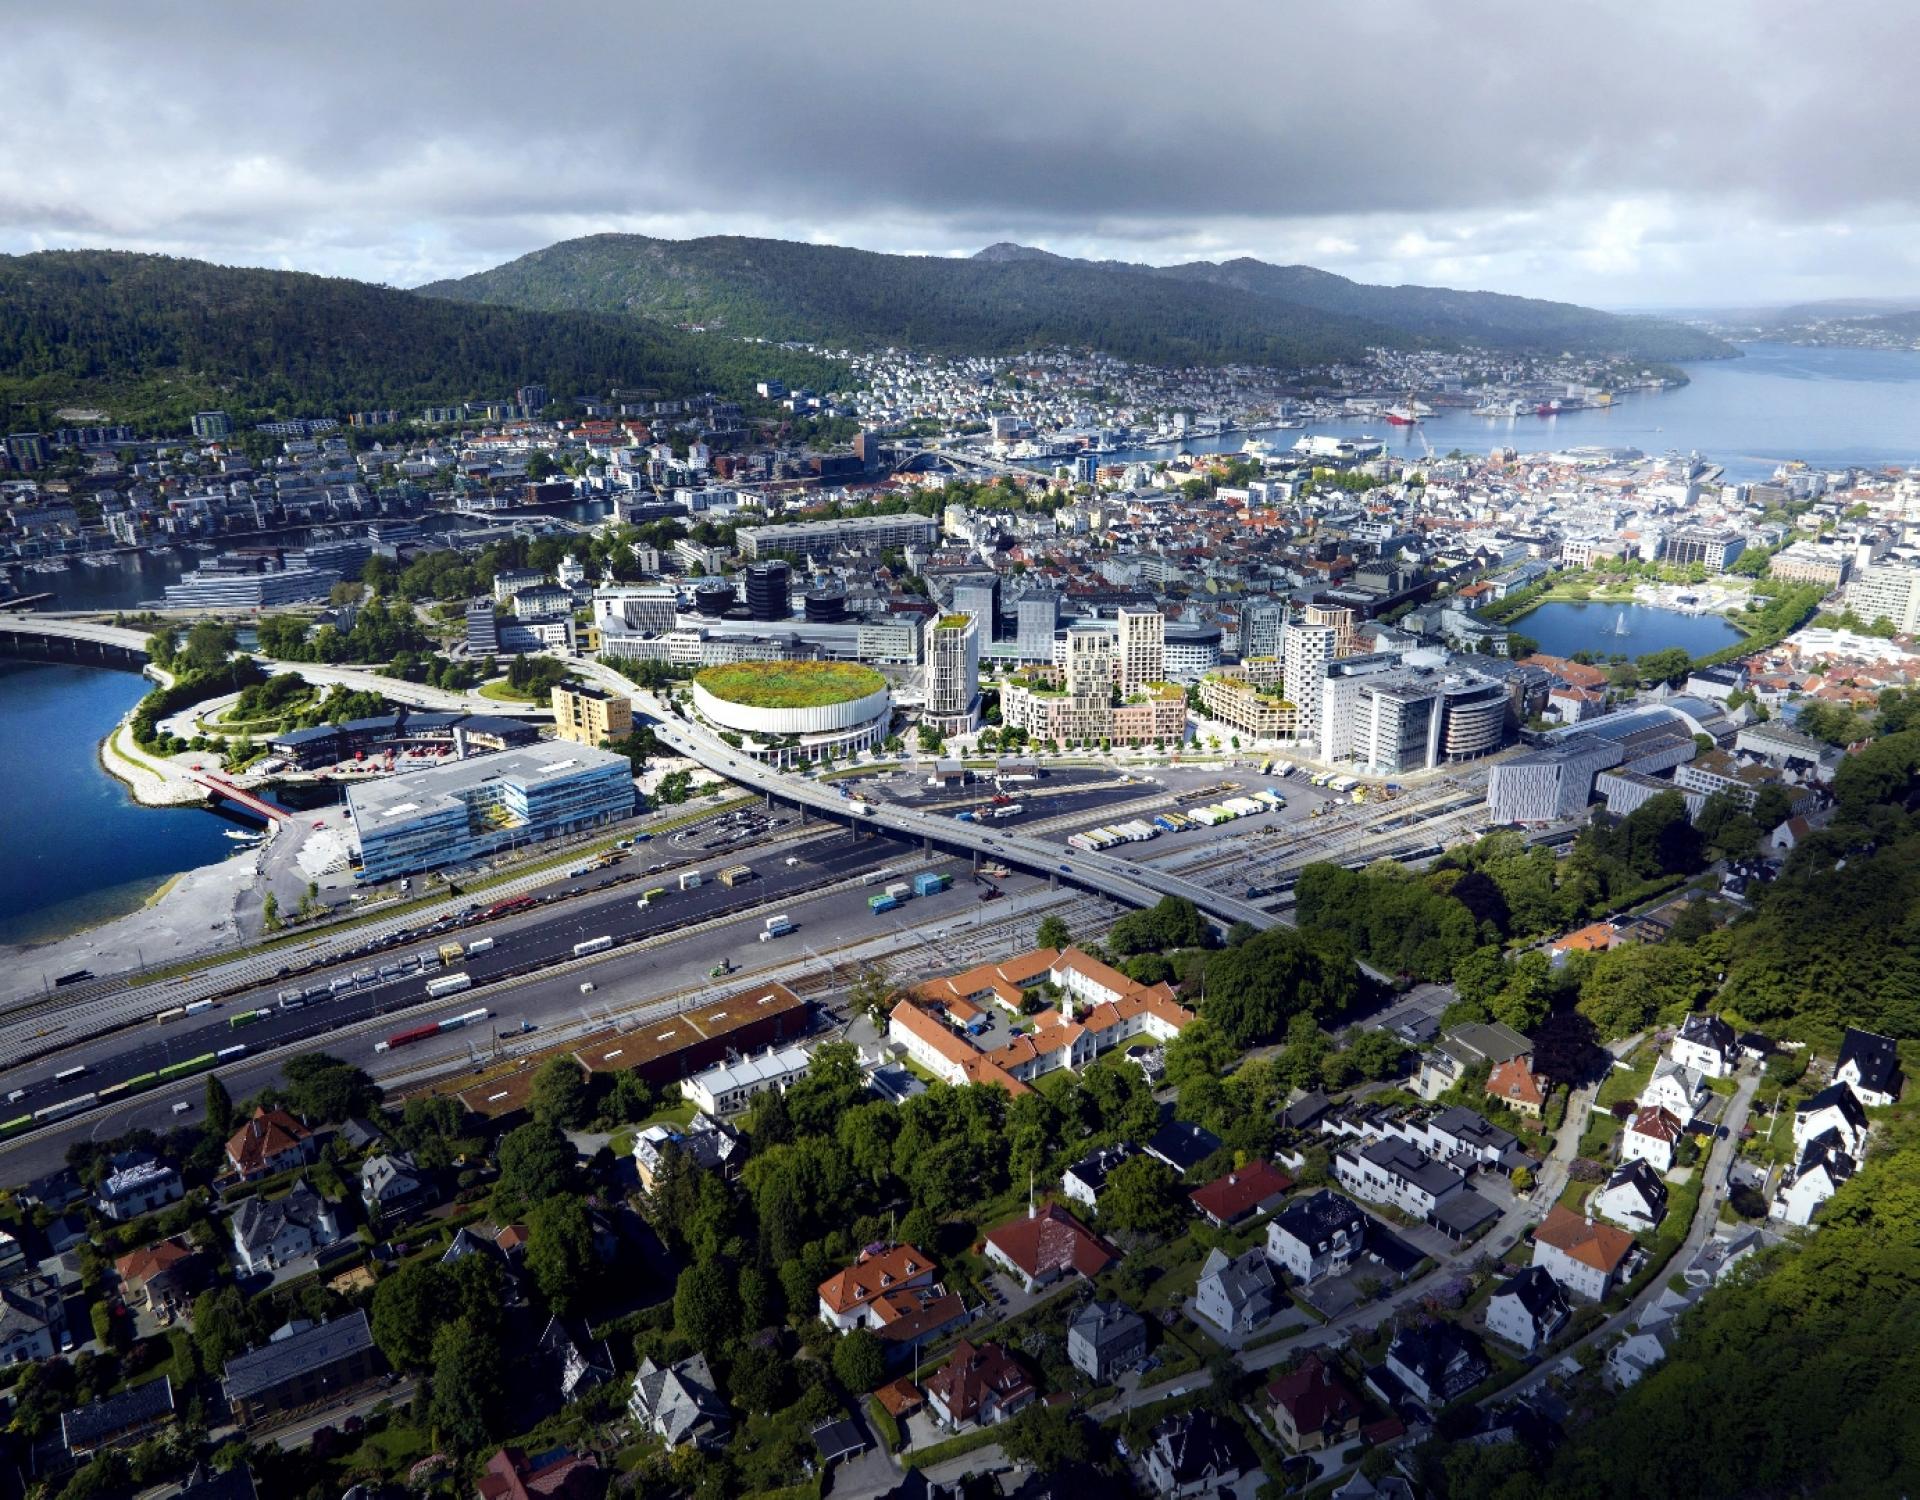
x=461, y=813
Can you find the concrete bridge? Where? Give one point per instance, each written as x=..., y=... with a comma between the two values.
x=1137, y=884
x=63, y=638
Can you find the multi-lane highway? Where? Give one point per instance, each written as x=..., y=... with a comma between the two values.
x=394, y=977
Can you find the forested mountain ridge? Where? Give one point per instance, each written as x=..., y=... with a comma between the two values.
x=1012, y=297
x=1493, y=319
x=777, y=289
x=150, y=339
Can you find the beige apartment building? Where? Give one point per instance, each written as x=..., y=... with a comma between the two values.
x=588, y=715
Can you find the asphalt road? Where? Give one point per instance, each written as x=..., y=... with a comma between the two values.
x=535, y=939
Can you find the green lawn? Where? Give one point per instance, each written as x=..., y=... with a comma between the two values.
x=500, y=692
x=1596, y=1141
x=1624, y=1083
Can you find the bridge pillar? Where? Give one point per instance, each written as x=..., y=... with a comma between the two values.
x=926, y=846
x=1053, y=880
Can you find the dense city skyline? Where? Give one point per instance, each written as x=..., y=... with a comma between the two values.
x=1622, y=159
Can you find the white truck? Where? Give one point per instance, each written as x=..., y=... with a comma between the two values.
x=777, y=927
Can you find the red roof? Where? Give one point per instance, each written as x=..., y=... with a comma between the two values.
x=1315, y=1396
x=1661, y=1124
x=892, y=1270
x=965, y=1382
x=1240, y=1192
x=270, y=1133
x=1513, y=1079
x=1594, y=1244
x=1050, y=1242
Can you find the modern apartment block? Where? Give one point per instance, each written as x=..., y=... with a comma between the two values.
x=459, y=813
x=1887, y=591
x=590, y=715
x=1089, y=662
x=1142, y=649
x=953, y=674
x=850, y=534
x=1306, y=651
x=1260, y=711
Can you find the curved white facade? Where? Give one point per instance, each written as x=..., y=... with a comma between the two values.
x=823, y=719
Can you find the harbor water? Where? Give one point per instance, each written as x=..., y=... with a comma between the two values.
x=79, y=849
x=1775, y=404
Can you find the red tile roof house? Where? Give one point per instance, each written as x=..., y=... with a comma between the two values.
x=1044, y=1246
x=1313, y=1406
x=272, y=1141
x=1254, y=1188
x=557, y=1475
x=851, y=1298
x=983, y=1385
x=1514, y=1085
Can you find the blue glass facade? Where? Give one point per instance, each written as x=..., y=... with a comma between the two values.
x=462, y=813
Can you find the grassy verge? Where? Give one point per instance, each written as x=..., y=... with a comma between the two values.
x=501, y=693
x=884, y=1424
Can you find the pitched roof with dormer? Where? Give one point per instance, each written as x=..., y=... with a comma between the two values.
x=269, y=1134
x=1513, y=1081
x=1658, y=1124
x=872, y=1276
x=1588, y=1241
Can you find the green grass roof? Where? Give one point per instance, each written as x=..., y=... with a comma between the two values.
x=790, y=684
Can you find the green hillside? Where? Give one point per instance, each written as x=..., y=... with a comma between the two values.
x=781, y=290
x=1011, y=297
x=150, y=339
x=1487, y=318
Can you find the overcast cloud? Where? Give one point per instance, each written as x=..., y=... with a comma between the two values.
x=1620, y=154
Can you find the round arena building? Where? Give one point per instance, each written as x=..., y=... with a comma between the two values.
x=795, y=712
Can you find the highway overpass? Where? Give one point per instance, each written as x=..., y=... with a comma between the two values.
x=48, y=635
x=1139, y=885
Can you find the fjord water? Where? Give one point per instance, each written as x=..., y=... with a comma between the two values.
x=79, y=849
x=1774, y=404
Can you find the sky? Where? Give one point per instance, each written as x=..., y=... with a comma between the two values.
x=1624, y=155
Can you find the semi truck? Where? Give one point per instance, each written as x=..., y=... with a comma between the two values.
x=777, y=927
x=930, y=883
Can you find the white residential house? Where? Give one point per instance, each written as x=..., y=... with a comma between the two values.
x=1585, y=1256
x=138, y=1185
x=1394, y=1171
x=1235, y=1294
x=1087, y=1178
x=1824, y=1166
x=1707, y=1045
x=1676, y=1088
x=1651, y=1136
x=1634, y=1198
x=728, y=1088
x=1319, y=1235
x=1837, y=1108
x=1870, y=1066
x=270, y=1233
x=1637, y=1353
x=1529, y=1309
x=1438, y=1362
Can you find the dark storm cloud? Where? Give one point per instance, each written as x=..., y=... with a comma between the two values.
x=1500, y=143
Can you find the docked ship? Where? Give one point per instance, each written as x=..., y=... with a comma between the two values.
x=1401, y=416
